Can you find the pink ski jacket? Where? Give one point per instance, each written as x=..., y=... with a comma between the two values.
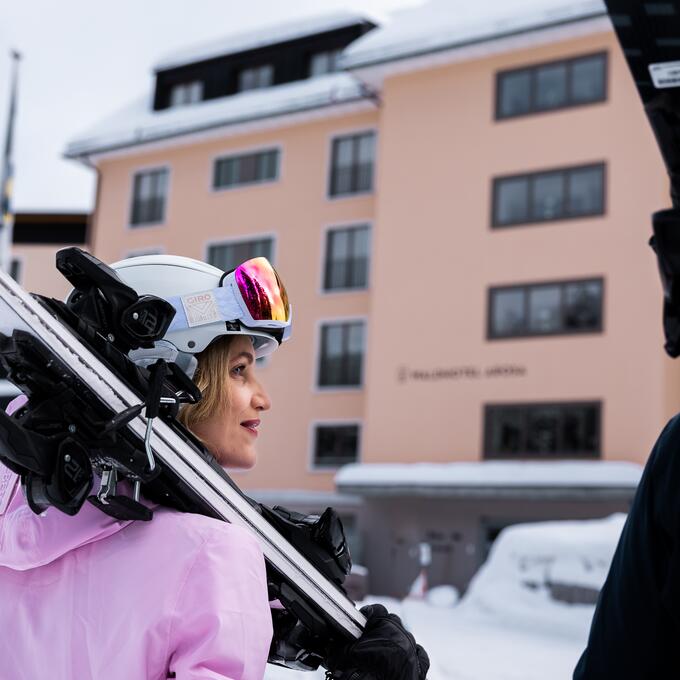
x=92, y=598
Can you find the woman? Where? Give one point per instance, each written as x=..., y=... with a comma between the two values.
x=183, y=595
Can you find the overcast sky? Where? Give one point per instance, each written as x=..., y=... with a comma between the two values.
x=83, y=60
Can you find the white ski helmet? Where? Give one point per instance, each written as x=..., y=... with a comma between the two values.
x=178, y=280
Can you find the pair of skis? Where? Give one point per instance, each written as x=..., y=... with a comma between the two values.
x=132, y=410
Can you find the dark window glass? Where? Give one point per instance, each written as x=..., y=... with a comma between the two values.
x=347, y=255
x=542, y=430
x=342, y=354
x=508, y=312
x=512, y=201
x=251, y=168
x=546, y=87
x=545, y=314
x=546, y=309
x=336, y=445
x=352, y=164
x=256, y=77
x=551, y=86
x=149, y=195
x=15, y=269
x=582, y=305
x=514, y=94
x=324, y=62
x=548, y=196
x=228, y=256
x=588, y=79
x=586, y=191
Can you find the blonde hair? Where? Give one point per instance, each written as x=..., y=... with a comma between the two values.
x=212, y=378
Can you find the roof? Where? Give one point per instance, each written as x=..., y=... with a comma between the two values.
x=139, y=124
x=478, y=478
x=296, y=498
x=272, y=34
x=443, y=25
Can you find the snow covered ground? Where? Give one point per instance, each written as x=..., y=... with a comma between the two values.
x=507, y=626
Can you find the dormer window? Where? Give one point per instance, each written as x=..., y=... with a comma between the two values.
x=186, y=93
x=256, y=77
x=324, y=62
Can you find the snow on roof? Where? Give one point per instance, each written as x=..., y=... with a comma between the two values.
x=138, y=124
x=268, y=35
x=523, y=474
x=443, y=24
x=302, y=497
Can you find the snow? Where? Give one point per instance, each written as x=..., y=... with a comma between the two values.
x=138, y=123
x=596, y=473
x=443, y=24
x=270, y=34
x=507, y=626
x=442, y=596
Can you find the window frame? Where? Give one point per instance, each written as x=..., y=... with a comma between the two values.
x=335, y=54
x=17, y=262
x=245, y=238
x=131, y=183
x=324, y=256
x=356, y=132
x=186, y=86
x=259, y=68
x=317, y=388
x=533, y=68
x=240, y=153
x=331, y=422
x=531, y=176
x=487, y=408
x=526, y=286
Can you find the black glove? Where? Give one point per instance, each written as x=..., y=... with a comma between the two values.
x=385, y=651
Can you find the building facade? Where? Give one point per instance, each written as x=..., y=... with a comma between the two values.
x=460, y=217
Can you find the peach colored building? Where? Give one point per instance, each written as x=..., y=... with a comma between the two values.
x=460, y=214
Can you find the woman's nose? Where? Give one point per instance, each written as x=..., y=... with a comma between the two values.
x=261, y=399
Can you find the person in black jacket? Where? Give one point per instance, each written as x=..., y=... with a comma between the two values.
x=635, y=632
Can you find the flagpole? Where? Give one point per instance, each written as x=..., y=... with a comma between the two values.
x=6, y=213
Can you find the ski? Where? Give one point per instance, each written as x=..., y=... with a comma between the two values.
x=40, y=346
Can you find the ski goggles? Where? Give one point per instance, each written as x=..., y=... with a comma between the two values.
x=252, y=294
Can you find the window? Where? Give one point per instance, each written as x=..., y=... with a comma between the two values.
x=335, y=445
x=149, y=194
x=542, y=430
x=342, y=354
x=15, y=269
x=546, y=87
x=548, y=195
x=249, y=168
x=347, y=255
x=545, y=309
x=228, y=256
x=256, y=77
x=352, y=164
x=186, y=93
x=324, y=62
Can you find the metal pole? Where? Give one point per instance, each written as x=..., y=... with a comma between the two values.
x=6, y=213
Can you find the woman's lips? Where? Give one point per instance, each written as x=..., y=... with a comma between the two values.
x=251, y=426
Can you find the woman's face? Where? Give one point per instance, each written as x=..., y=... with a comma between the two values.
x=231, y=436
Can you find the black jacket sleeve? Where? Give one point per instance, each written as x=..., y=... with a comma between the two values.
x=635, y=631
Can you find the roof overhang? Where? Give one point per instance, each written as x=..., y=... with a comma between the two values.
x=490, y=492
x=374, y=71
x=221, y=130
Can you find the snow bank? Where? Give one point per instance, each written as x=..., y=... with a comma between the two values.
x=592, y=473
x=513, y=586
x=507, y=627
